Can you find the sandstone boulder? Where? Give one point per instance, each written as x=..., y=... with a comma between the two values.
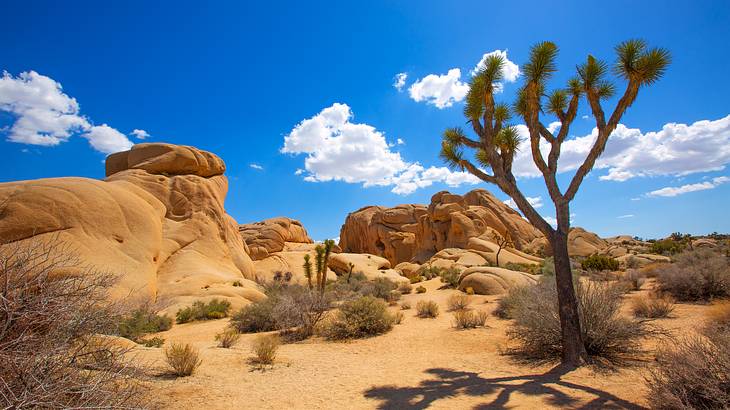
x=269, y=236
x=485, y=280
x=373, y=267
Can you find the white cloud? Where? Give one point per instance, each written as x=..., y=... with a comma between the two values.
x=256, y=166
x=585, y=117
x=299, y=171
x=625, y=216
x=44, y=115
x=552, y=221
x=677, y=149
x=400, y=81
x=684, y=189
x=140, y=134
x=439, y=90
x=339, y=150
x=535, y=201
x=510, y=70
x=400, y=141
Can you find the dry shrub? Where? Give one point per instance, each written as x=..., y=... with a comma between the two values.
x=380, y=288
x=227, y=338
x=692, y=373
x=264, y=348
x=718, y=318
x=634, y=280
x=405, y=305
x=469, y=319
x=513, y=298
x=299, y=310
x=51, y=314
x=608, y=336
x=405, y=288
x=696, y=275
x=458, y=302
x=427, y=309
x=363, y=317
x=182, y=358
x=255, y=317
x=652, y=269
x=398, y=317
x=652, y=306
x=420, y=289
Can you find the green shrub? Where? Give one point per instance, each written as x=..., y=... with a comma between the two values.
x=415, y=279
x=599, y=263
x=547, y=266
x=152, y=342
x=430, y=272
x=420, y=289
x=379, y=288
x=696, y=275
x=666, y=247
x=469, y=319
x=142, y=321
x=450, y=277
x=508, y=302
x=256, y=317
x=530, y=268
x=215, y=309
x=427, y=309
x=362, y=317
x=237, y=284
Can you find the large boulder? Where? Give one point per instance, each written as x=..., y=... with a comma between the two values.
x=487, y=280
x=157, y=221
x=414, y=233
x=269, y=236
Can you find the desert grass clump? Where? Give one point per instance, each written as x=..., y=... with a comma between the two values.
x=405, y=288
x=427, y=309
x=363, y=317
x=264, y=348
x=214, y=309
x=405, y=305
x=718, y=318
x=608, y=336
x=696, y=275
x=450, y=277
x=255, y=317
x=398, y=317
x=152, y=342
x=142, y=321
x=420, y=289
x=227, y=338
x=182, y=358
x=469, y=319
x=652, y=306
x=458, y=302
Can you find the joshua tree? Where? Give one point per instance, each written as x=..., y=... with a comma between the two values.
x=497, y=142
x=322, y=255
x=308, y=270
x=502, y=241
x=350, y=267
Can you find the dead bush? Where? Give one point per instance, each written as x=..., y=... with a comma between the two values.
x=182, y=358
x=264, y=348
x=513, y=298
x=363, y=317
x=696, y=275
x=51, y=315
x=608, y=336
x=652, y=306
x=718, y=318
x=427, y=309
x=405, y=305
x=298, y=311
x=469, y=319
x=458, y=302
x=227, y=338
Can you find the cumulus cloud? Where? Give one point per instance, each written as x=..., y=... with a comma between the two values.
x=44, y=115
x=400, y=81
x=439, y=90
x=140, y=134
x=676, y=150
x=510, y=71
x=535, y=201
x=400, y=141
x=337, y=149
x=256, y=166
x=684, y=189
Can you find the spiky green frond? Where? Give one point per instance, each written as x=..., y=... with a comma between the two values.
x=575, y=87
x=482, y=158
x=592, y=72
x=542, y=62
x=628, y=54
x=557, y=102
x=454, y=136
x=520, y=105
x=605, y=89
x=652, y=65
x=474, y=107
x=508, y=139
x=307, y=267
x=501, y=113
x=452, y=155
x=492, y=70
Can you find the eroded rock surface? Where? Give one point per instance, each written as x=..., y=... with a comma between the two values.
x=269, y=236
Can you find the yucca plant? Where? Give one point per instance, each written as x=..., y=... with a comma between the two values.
x=497, y=141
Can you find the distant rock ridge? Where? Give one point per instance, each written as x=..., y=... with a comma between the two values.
x=270, y=236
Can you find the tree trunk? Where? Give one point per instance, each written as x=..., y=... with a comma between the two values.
x=574, y=351
x=497, y=257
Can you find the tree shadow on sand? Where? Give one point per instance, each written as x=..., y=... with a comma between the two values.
x=450, y=383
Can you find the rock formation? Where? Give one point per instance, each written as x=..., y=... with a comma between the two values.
x=414, y=233
x=157, y=221
x=269, y=236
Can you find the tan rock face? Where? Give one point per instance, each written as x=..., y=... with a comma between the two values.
x=157, y=221
x=414, y=233
x=487, y=280
x=269, y=236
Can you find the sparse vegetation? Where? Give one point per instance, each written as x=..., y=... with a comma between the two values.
x=427, y=309
x=450, y=277
x=515, y=297
x=697, y=275
x=458, y=302
x=182, y=358
x=362, y=317
x=420, y=289
x=380, y=288
x=215, y=309
x=530, y=268
x=298, y=311
x=152, y=342
x=227, y=338
x=256, y=317
x=652, y=306
x=469, y=319
x=547, y=267
x=142, y=321
x=599, y=263
x=633, y=279
x=405, y=288
x=405, y=305
x=237, y=284
x=265, y=348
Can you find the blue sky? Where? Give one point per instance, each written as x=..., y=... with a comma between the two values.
x=236, y=79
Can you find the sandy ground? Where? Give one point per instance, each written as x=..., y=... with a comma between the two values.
x=422, y=363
